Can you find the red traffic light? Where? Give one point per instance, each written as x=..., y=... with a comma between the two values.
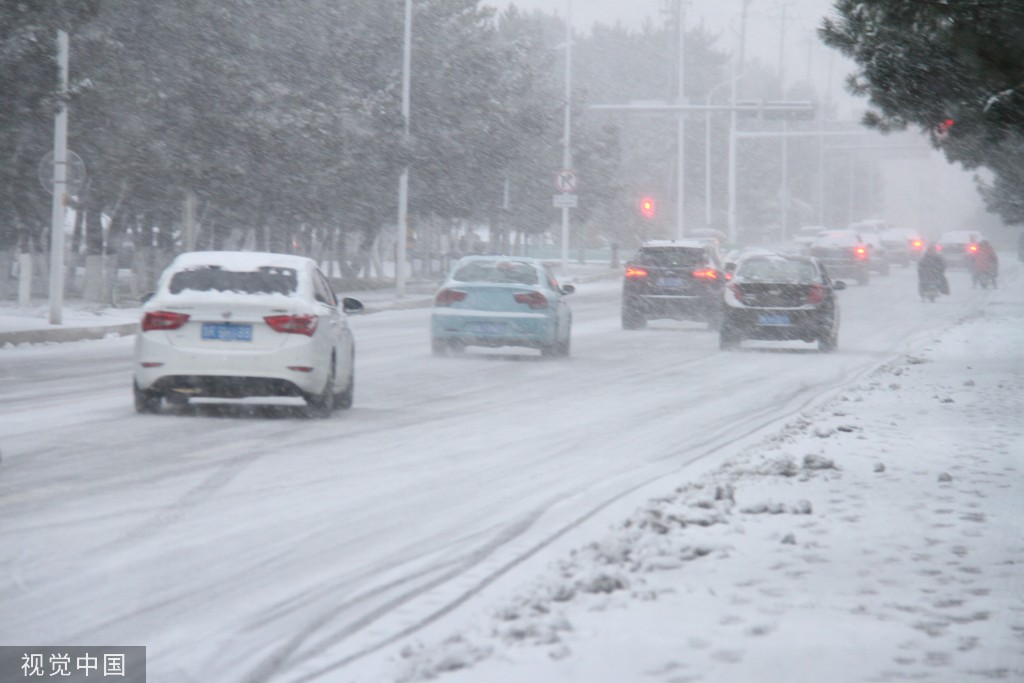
x=648, y=207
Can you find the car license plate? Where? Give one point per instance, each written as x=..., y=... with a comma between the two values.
x=670, y=282
x=773, y=319
x=227, y=332
x=489, y=329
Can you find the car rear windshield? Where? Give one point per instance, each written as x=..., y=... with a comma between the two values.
x=777, y=270
x=674, y=257
x=836, y=240
x=264, y=280
x=508, y=272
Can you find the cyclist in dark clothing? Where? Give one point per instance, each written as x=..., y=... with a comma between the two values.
x=931, y=274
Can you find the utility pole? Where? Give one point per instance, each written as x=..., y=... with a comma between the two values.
x=681, y=123
x=60, y=185
x=784, y=173
x=567, y=129
x=403, y=181
x=737, y=70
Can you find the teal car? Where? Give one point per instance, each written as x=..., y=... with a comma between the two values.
x=495, y=301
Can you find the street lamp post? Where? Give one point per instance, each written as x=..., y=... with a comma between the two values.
x=707, y=147
x=567, y=129
x=738, y=68
x=60, y=186
x=681, y=129
x=403, y=181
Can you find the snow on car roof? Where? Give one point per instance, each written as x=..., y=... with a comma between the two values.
x=240, y=260
x=960, y=236
x=696, y=242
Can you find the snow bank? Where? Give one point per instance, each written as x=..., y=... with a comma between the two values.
x=874, y=538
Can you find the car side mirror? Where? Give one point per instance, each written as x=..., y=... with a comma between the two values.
x=838, y=285
x=350, y=305
x=567, y=289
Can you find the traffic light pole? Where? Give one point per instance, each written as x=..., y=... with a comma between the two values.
x=60, y=186
x=681, y=130
x=566, y=147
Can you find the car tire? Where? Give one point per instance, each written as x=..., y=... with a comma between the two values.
x=322, y=405
x=829, y=341
x=560, y=349
x=631, y=320
x=343, y=400
x=727, y=337
x=146, y=401
x=439, y=347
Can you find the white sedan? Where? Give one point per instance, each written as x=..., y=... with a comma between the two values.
x=241, y=324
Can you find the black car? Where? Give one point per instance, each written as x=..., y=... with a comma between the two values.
x=677, y=279
x=781, y=297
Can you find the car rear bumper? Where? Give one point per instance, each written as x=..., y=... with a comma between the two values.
x=805, y=325
x=672, y=306
x=161, y=366
x=481, y=328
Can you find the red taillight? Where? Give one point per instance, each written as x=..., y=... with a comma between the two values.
x=446, y=297
x=534, y=299
x=163, y=320
x=861, y=252
x=736, y=292
x=972, y=248
x=292, y=324
x=938, y=247
x=706, y=274
x=634, y=272
x=917, y=245
x=815, y=294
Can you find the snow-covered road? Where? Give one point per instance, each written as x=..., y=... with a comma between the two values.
x=243, y=544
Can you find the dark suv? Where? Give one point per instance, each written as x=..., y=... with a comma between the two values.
x=678, y=279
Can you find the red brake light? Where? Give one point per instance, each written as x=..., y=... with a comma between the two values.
x=635, y=272
x=938, y=247
x=163, y=320
x=293, y=324
x=706, y=274
x=534, y=299
x=815, y=294
x=861, y=252
x=917, y=244
x=972, y=247
x=446, y=297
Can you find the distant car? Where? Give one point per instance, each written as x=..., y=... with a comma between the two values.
x=903, y=245
x=844, y=255
x=958, y=246
x=781, y=297
x=804, y=237
x=676, y=279
x=495, y=301
x=878, y=256
x=242, y=324
x=732, y=258
x=870, y=225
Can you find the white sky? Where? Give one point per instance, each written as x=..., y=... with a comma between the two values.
x=804, y=54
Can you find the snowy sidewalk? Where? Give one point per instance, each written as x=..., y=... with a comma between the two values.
x=877, y=537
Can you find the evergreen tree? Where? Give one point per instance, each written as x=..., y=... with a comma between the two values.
x=955, y=69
